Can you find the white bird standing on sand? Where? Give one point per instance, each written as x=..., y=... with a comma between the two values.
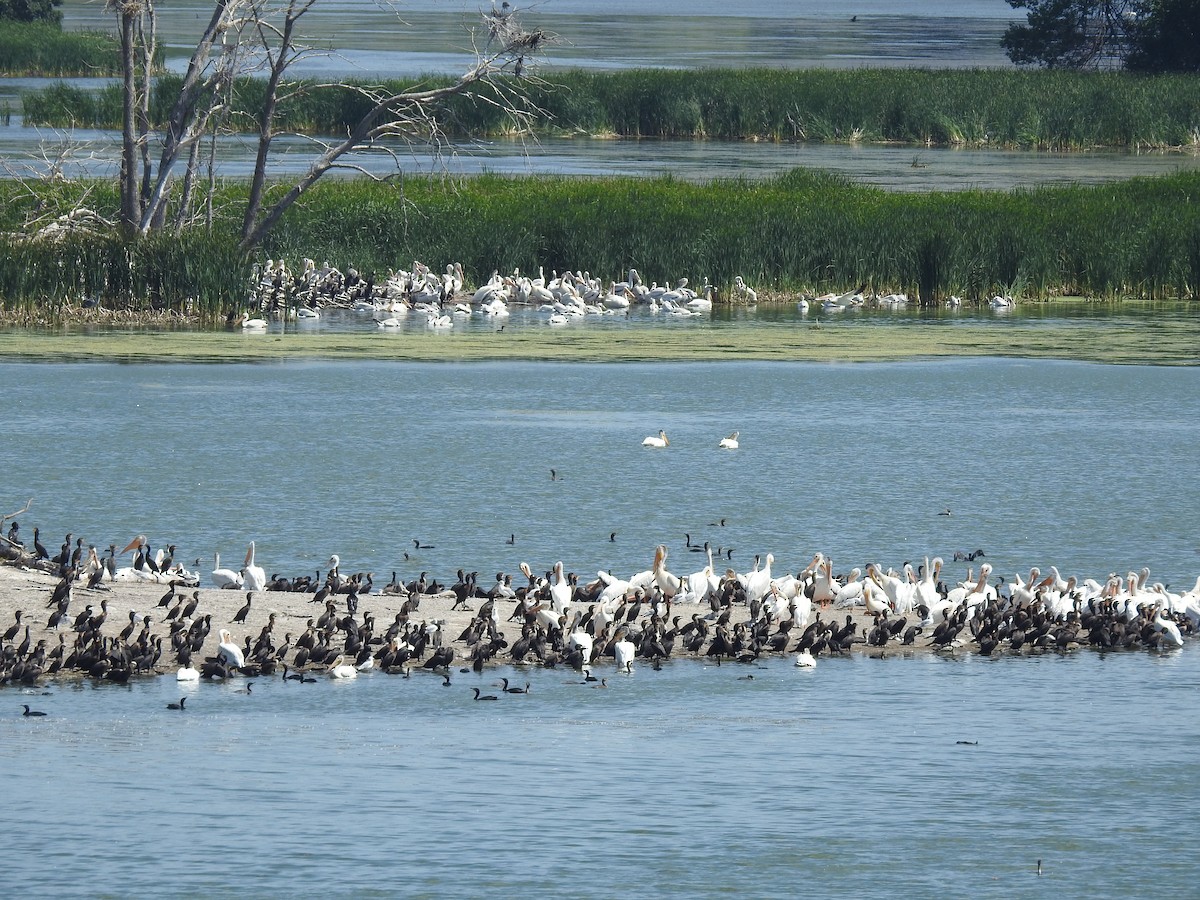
x=225, y=578
x=660, y=441
x=254, y=578
x=228, y=652
x=729, y=443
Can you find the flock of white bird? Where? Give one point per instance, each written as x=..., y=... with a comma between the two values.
x=562, y=298
x=438, y=297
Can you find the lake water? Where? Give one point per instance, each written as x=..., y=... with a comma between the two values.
x=91, y=153
x=625, y=35
x=421, y=36
x=848, y=778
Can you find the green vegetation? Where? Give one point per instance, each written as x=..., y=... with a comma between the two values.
x=803, y=231
x=1171, y=341
x=1005, y=108
x=31, y=11
x=42, y=50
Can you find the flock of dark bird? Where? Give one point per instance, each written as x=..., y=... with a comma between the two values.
x=559, y=621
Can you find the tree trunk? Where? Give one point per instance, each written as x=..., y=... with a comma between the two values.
x=130, y=212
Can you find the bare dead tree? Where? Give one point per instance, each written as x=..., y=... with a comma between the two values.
x=263, y=37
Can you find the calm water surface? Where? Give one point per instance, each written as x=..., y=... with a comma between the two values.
x=434, y=35
x=96, y=154
x=674, y=34
x=689, y=780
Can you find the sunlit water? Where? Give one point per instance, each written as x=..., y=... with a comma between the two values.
x=87, y=153
x=420, y=36
x=849, y=778
x=693, y=780
x=615, y=36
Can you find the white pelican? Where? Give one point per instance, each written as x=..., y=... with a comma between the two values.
x=228, y=652
x=254, y=578
x=705, y=582
x=758, y=582
x=187, y=673
x=623, y=650
x=745, y=290
x=560, y=591
x=225, y=578
x=660, y=441
x=583, y=641
x=729, y=443
x=249, y=324
x=339, y=668
x=666, y=582
x=1170, y=631
x=805, y=660
x=305, y=313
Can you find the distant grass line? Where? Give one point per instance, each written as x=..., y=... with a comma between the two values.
x=802, y=231
x=1169, y=342
x=37, y=50
x=1047, y=110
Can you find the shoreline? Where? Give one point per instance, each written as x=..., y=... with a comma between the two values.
x=1171, y=342
x=127, y=605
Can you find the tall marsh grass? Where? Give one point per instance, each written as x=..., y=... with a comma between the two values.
x=803, y=231
x=987, y=107
x=33, y=49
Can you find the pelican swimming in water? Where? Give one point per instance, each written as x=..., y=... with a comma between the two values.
x=228, y=652
x=187, y=673
x=729, y=443
x=660, y=441
x=339, y=668
x=254, y=578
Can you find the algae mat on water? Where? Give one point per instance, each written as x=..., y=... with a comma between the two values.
x=1165, y=342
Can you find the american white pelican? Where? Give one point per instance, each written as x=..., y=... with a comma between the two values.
x=624, y=650
x=255, y=325
x=584, y=642
x=228, y=652
x=225, y=578
x=759, y=581
x=187, y=673
x=805, y=660
x=660, y=441
x=254, y=578
x=745, y=290
x=339, y=668
x=560, y=591
x=729, y=443
x=307, y=314
x=667, y=583
x=705, y=582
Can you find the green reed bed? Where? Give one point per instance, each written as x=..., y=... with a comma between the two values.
x=986, y=107
x=801, y=232
x=32, y=49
